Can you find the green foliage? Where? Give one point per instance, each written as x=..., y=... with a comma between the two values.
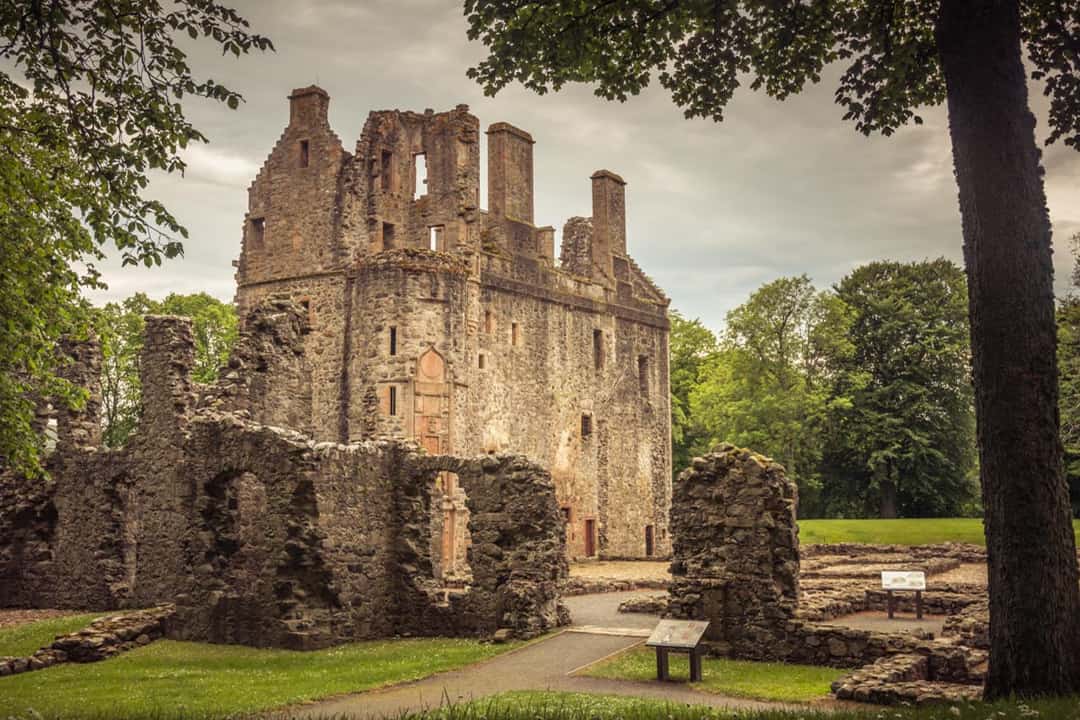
x=170, y=679
x=90, y=105
x=768, y=388
x=693, y=346
x=1068, y=319
x=25, y=639
x=904, y=440
x=120, y=329
x=702, y=52
x=734, y=678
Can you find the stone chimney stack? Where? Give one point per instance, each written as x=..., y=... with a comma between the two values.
x=609, y=211
x=309, y=106
x=510, y=173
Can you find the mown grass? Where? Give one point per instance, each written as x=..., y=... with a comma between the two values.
x=182, y=679
x=577, y=706
x=25, y=639
x=735, y=678
x=922, y=531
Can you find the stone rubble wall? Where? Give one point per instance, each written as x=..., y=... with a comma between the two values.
x=103, y=638
x=736, y=551
x=264, y=537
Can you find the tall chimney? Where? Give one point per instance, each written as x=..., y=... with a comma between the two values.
x=510, y=173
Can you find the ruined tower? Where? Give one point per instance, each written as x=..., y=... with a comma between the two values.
x=434, y=320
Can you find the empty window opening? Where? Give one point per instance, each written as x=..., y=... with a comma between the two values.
x=419, y=175
x=258, y=231
x=392, y=400
x=435, y=238
x=515, y=334
x=590, y=538
x=481, y=361
x=386, y=170
x=304, y=153
x=649, y=544
x=586, y=425
x=387, y=235
x=489, y=322
x=643, y=373
x=598, y=349
x=393, y=340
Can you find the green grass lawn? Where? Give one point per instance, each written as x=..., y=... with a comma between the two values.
x=577, y=706
x=922, y=531
x=736, y=678
x=25, y=639
x=173, y=679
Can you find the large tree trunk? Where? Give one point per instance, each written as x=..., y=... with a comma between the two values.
x=1034, y=596
x=887, y=493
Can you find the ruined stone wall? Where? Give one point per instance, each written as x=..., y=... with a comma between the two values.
x=260, y=535
x=412, y=288
x=735, y=553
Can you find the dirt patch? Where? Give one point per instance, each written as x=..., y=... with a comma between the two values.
x=622, y=570
x=967, y=573
x=10, y=617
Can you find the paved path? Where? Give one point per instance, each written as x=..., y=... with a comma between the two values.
x=544, y=665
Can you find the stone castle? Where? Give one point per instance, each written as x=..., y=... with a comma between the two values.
x=436, y=321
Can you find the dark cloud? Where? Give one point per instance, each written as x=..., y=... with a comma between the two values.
x=714, y=209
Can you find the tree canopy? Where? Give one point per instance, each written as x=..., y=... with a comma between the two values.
x=120, y=326
x=91, y=97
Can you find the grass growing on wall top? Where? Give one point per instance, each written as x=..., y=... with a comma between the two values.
x=907, y=531
x=736, y=678
x=181, y=679
x=22, y=640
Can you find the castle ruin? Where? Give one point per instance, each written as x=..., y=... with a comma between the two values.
x=436, y=321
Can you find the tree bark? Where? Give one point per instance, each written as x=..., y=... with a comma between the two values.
x=1034, y=592
x=887, y=493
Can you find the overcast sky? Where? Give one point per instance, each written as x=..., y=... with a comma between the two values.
x=714, y=210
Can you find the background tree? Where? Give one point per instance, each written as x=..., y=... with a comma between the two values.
x=900, y=55
x=907, y=431
x=1069, y=372
x=769, y=387
x=692, y=347
x=120, y=327
x=90, y=104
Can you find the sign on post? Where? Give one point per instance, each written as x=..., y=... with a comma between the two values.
x=678, y=636
x=910, y=580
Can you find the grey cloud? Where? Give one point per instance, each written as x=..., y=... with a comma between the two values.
x=713, y=209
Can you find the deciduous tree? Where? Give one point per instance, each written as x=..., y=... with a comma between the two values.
x=91, y=96
x=899, y=55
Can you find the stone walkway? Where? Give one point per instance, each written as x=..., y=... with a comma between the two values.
x=546, y=665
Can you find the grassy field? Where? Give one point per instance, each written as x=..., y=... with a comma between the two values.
x=735, y=678
x=26, y=639
x=898, y=532
x=575, y=706
x=180, y=679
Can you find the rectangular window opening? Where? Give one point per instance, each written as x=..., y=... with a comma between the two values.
x=515, y=335
x=419, y=175
x=304, y=153
x=386, y=170
x=649, y=542
x=387, y=235
x=393, y=400
x=481, y=361
x=489, y=322
x=586, y=425
x=643, y=373
x=598, y=349
x=393, y=340
x=435, y=238
x=258, y=231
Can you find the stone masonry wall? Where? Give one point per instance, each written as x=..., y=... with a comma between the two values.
x=262, y=536
x=399, y=269
x=736, y=551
